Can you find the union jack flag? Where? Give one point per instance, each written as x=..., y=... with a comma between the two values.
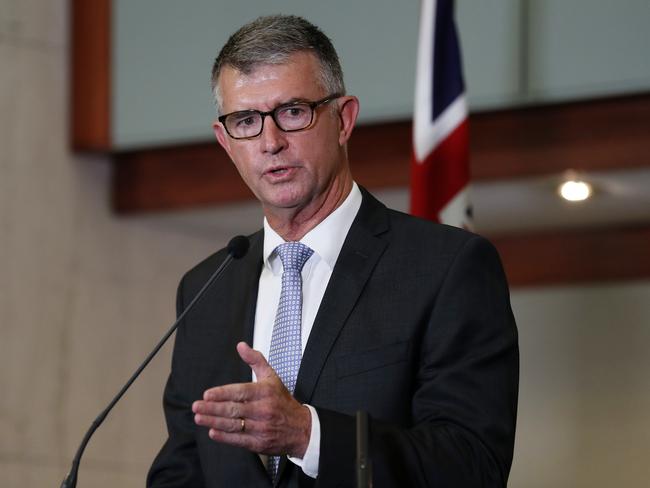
x=440, y=163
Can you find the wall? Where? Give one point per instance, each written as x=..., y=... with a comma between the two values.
x=585, y=388
x=84, y=294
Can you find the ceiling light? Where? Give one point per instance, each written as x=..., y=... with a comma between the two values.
x=575, y=190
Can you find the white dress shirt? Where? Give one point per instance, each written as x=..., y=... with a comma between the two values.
x=326, y=240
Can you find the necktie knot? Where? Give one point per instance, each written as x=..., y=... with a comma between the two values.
x=293, y=255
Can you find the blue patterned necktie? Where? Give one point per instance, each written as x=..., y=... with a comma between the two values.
x=286, y=342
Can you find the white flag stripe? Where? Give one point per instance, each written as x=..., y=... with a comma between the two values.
x=423, y=75
x=429, y=136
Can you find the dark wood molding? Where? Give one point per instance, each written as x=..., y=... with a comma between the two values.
x=90, y=71
x=589, y=135
x=576, y=256
x=175, y=177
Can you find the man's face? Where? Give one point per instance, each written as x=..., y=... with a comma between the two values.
x=286, y=170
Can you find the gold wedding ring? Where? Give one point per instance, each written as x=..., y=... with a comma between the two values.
x=243, y=425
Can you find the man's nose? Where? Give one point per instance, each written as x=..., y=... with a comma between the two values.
x=273, y=138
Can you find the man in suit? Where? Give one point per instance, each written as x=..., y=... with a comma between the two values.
x=402, y=318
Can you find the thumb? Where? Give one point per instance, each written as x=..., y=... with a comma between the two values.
x=255, y=360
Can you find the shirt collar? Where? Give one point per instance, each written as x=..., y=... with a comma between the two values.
x=326, y=239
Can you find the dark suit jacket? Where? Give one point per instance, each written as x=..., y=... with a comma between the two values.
x=415, y=328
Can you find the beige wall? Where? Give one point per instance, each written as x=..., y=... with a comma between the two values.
x=85, y=294
x=585, y=386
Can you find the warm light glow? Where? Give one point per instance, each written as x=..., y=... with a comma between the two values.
x=575, y=190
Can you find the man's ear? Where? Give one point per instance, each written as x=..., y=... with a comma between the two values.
x=221, y=135
x=348, y=114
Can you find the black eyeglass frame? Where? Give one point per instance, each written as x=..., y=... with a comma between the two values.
x=272, y=113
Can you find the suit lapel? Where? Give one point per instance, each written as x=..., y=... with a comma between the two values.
x=358, y=257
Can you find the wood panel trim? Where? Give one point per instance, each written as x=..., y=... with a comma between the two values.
x=575, y=256
x=590, y=135
x=90, y=73
x=175, y=177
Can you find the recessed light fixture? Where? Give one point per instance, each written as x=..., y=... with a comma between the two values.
x=575, y=190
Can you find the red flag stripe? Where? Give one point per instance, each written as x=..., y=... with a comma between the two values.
x=442, y=174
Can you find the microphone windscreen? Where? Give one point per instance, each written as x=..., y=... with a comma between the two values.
x=238, y=246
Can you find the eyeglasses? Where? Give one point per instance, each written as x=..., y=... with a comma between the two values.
x=290, y=117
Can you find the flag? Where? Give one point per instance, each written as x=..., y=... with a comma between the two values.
x=440, y=162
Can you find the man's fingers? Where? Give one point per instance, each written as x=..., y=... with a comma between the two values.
x=255, y=360
x=228, y=425
x=230, y=410
x=255, y=435
x=239, y=439
x=236, y=392
x=250, y=415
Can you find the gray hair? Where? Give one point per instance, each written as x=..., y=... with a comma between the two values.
x=272, y=40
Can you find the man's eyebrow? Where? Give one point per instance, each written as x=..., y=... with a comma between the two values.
x=292, y=100
x=282, y=104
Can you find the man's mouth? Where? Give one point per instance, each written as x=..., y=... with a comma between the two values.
x=279, y=171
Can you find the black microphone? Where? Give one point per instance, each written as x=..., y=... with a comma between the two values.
x=363, y=461
x=237, y=248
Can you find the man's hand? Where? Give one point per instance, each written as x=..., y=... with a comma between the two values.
x=263, y=417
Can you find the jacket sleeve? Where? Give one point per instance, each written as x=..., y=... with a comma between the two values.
x=464, y=404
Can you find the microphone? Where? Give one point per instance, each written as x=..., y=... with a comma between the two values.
x=363, y=461
x=237, y=248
